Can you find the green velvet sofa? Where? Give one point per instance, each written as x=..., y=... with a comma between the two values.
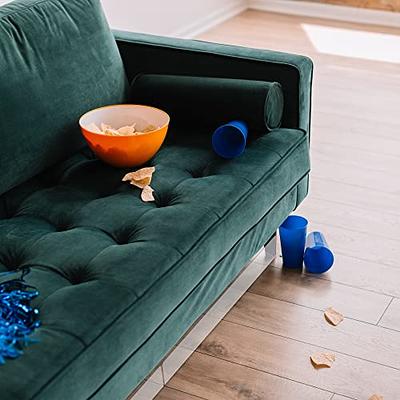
x=120, y=280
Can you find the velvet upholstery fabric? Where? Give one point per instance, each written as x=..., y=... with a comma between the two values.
x=58, y=59
x=111, y=268
x=211, y=102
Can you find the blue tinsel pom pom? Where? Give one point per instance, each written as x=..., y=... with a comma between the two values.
x=17, y=318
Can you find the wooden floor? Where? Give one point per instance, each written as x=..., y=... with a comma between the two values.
x=261, y=350
x=387, y=5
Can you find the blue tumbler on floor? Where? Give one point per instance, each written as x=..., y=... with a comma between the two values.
x=229, y=140
x=318, y=258
x=293, y=233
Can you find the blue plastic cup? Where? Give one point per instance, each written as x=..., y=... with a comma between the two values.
x=229, y=140
x=293, y=239
x=318, y=257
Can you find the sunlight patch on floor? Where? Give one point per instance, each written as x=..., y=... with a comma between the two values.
x=353, y=43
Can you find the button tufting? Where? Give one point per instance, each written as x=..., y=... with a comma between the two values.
x=77, y=276
x=10, y=263
x=11, y=267
x=197, y=173
x=9, y=213
x=125, y=237
x=122, y=239
x=163, y=200
x=62, y=227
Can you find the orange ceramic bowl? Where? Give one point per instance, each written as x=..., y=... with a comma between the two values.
x=125, y=151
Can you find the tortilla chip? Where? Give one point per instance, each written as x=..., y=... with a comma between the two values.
x=332, y=316
x=112, y=132
x=140, y=178
x=127, y=130
x=127, y=177
x=104, y=127
x=93, y=128
x=147, y=194
x=323, y=360
x=142, y=173
x=149, y=128
x=141, y=183
x=376, y=397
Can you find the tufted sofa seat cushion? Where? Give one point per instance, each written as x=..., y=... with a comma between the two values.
x=111, y=268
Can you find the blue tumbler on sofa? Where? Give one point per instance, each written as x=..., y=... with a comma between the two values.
x=229, y=140
x=292, y=234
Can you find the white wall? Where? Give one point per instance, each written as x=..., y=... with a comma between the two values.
x=170, y=17
x=183, y=18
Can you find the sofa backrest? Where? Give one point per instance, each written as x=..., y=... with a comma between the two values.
x=58, y=59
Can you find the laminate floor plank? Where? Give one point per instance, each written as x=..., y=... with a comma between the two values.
x=391, y=318
x=172, y=394
x=339, y=397
x=288, y=358
x=215, y=379
x=365, y=275
x=355, y=132
x=353, y=272
x=308, y=291
x=361, y=160
x=353, y=139
x=356, y=108
x=353, y=338
x=323, y=188
x=381, y=223
x=346, y=110
x=382, y=5
x=348, y=84
x=382, y=182
x=365, y=246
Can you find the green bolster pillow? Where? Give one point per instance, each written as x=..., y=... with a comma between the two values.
x=210, y=102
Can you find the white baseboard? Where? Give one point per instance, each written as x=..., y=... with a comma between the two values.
x=328, y=11
x=216, y=17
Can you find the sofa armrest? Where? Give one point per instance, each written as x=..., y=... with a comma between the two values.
x=142, y=53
